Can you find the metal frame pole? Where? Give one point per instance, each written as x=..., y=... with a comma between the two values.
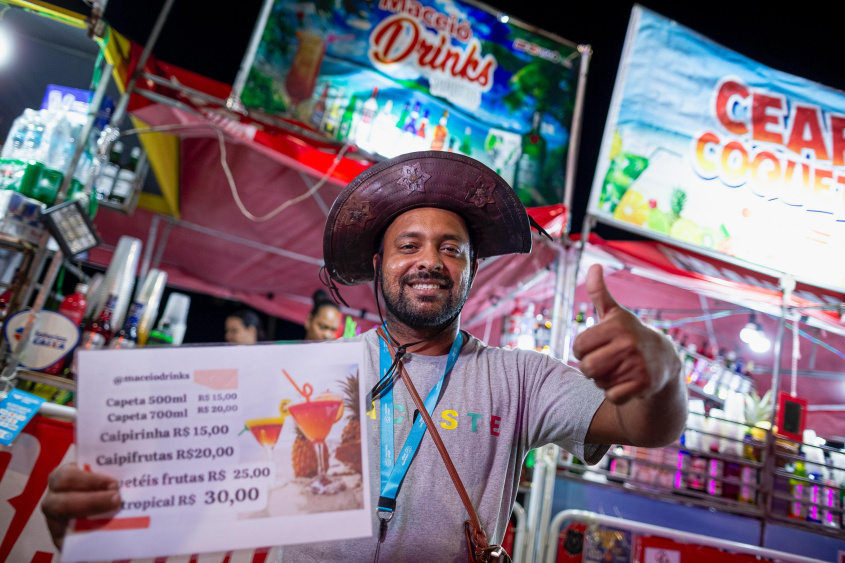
x=120, y=111
x=234, y=102
x=575, y=134
x=82, y=141
x=767, y=481
x=148, y=249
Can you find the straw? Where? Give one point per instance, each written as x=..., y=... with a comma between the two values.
x=306, y=390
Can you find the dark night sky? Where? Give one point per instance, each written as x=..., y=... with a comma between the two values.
x=799, y=38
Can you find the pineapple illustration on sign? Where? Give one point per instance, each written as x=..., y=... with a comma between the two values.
x=349, y=450
x=304, y=456
x=632, y=208
x=682, y=229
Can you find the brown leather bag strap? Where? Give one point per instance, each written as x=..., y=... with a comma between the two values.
x=480, y=536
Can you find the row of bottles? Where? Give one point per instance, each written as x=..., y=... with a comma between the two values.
x=374, y=127
x=99, y=332
x=39, y=149
x=116, y=181
x=816, y=491
x=526, y=329
x=717, y=373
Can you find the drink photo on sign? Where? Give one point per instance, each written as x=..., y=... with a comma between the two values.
x=312, y=440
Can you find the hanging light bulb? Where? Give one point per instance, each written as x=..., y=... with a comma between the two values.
x=760, y=344
x=750, y=331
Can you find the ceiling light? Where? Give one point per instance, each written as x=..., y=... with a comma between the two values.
x=504, y=18
x=6, y=45
x=760, y=344
x=751, y=330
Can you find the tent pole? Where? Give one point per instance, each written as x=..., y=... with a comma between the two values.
x=234, y=102
x=148, y=250
x=120, y=110
x=575, y=136
x=165, y=233
x=787, y=284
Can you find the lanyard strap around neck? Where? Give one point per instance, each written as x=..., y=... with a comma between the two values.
x=392, y=474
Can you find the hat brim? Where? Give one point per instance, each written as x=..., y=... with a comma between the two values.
x=369, y=204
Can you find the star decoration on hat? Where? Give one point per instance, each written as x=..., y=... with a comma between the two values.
x=358, y=214
x=413, y=177
x=480, y=195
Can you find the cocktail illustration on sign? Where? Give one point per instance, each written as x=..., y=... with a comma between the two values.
x=315, y=418
x=266, y=430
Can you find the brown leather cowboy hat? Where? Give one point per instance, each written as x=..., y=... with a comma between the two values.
x=366, y=207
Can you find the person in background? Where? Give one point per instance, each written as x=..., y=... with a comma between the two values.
x=243, y=327
x=324, y=320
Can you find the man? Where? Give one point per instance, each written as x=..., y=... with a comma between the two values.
x=417, y=224
x=243, y=327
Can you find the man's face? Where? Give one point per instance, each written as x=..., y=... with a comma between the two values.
x=425, y=272
x=238, y=333
x=323, y=324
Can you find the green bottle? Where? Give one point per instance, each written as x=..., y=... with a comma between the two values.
x=406, y=110
x=347, y=120
x=529, y=167
x=466, y=146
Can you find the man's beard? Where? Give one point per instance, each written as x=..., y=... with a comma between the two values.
x=400, y=307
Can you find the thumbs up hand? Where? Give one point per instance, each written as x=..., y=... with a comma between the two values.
x=625, y=357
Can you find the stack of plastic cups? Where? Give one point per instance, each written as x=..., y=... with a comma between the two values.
x=120, y=279
x=176, y=312
x=150, y=297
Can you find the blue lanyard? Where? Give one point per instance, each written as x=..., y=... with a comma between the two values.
x=393, y=475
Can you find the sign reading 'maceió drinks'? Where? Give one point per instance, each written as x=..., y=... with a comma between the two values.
x=409, y=75
x=727, y=156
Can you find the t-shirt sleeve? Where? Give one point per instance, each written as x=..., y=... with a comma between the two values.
x=559, y=406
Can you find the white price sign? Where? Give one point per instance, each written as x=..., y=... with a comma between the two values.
x=220, y=448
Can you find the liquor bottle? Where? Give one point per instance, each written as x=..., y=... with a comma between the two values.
x=127, y=336
x=125, y=182
x=529, y=167
x=403, y=117
x=452, y=141
x=410, y=125
x=466, y=144
x=797, y=509
x=319, y=110
x=332, y=118
x=366, y=121
x=438, y=138
x=421, y=130
x=6, y=296
x=384, y=132
x=97, y=333
x=345, y=131
x=73, y=307
x=108, y=176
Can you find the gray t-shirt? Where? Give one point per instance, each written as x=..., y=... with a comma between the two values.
x=495, y=406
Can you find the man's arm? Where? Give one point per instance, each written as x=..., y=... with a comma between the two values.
x=639, y=370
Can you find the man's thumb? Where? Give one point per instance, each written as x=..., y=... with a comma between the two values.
x=597, y=290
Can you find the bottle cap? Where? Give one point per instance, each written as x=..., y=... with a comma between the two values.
x=118, y=147
x=81, y=288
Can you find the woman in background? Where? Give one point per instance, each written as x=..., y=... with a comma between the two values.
x=243, y=327
x=324, y=320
